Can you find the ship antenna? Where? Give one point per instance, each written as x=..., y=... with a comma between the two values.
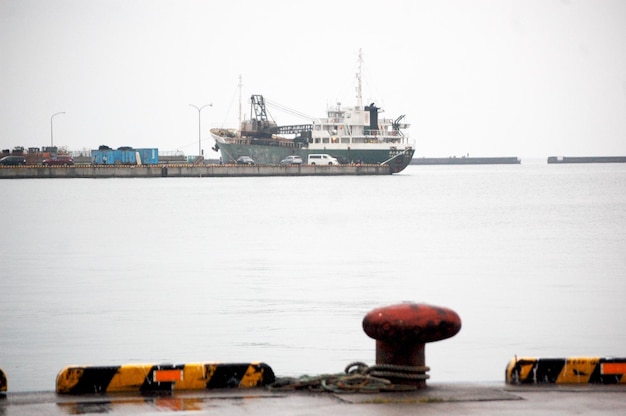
x=240, y=85
x=359, y=95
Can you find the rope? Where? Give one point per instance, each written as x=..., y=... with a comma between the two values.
x=358, y=377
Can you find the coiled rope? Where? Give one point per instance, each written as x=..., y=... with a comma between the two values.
x=358, y=377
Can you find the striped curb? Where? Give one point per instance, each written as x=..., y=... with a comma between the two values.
x=576, y=370
x=145, y=378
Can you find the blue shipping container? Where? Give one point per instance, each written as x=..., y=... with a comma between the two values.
x=125, y=157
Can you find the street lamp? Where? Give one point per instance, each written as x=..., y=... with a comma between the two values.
x=52, y=129
x=199, y=128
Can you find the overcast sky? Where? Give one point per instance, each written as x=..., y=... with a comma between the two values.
x=527, y=78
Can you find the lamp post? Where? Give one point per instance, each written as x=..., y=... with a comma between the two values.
x=199, y=124
x=52, y=128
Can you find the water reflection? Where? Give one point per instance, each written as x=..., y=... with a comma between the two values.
x=124, y=404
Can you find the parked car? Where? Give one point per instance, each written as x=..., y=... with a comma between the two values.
x=245, y=160
x=322, y=159
x=291, y=160
x=58, y=161
x=13, y=161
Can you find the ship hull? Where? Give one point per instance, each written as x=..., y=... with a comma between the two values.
x=397, y=158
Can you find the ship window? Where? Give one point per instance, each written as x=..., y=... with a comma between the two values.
x=345, y=140
x=325, y=140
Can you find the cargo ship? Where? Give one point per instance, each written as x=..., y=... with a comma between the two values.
x=353, y=135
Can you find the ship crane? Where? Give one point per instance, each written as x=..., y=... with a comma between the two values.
x=257, y=105
x=261, y=123
x=396, y=123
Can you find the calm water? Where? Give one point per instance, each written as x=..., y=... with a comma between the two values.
x=282, y=270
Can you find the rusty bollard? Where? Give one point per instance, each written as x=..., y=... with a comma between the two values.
x=402, y=330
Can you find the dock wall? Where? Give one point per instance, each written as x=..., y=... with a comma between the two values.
x=186, y=171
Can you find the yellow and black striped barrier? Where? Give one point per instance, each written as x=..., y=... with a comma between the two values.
x=3, y=381
x=145, y=378
x=576, y=370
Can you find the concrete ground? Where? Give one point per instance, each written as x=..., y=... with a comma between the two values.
x=436, y=399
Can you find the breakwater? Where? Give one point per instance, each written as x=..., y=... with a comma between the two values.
x=186, y=171
x=465, y=161
x=587, y=159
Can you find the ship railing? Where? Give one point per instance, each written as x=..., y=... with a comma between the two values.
x=383, y=132
x=293, y=129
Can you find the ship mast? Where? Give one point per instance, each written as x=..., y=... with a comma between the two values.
x=359, y=95
x=240, y=85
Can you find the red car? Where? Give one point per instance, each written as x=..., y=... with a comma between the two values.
x=58, y=161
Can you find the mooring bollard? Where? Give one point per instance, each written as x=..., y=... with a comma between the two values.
x=402, y=330
x=3, y=382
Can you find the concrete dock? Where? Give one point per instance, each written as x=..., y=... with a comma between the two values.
x=187, y=171
x=435, y=399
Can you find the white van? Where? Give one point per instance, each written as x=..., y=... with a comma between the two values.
x=322, y=159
